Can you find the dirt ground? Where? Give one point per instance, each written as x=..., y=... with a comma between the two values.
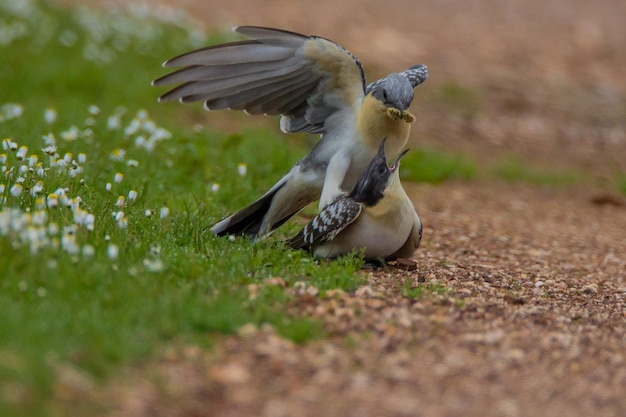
x=525, y=313
x=530, y=321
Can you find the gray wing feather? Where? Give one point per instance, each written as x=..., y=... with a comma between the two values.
x=273, y=73
x=223, y=87
x=214, y=72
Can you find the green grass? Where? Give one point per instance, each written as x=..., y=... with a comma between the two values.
x=431, y=166
x=512, y=169
x=64, y=295
x=423, y=289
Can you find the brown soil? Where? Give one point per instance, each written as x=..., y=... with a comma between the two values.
x=524, y=312
x=523, y=315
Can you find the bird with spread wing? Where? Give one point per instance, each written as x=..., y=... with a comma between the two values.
x=316, y=86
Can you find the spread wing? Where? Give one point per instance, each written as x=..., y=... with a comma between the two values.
x=333, y=218
x=416, y=75
x=305, y=79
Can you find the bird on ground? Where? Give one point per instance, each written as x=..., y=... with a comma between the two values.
x=316, y=86
x=377, y=216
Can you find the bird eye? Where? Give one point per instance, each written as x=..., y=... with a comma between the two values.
x=385, y=95
x=382, y=169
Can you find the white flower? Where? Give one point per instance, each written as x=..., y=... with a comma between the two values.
x=114, y=122
x=164, y=212
x=49, y=140
x=53, y=200
x=113, y=251
x=122, y=223
x=37, y=188
x=108, y=186
x=121, y=201
x=153, y=265
x=93, y=109
x=149, y=126
x=53, y=229
x=79, y=216
x=119, y=177
x=148, y=213
x=71, y=134
x=133, y=163
x=40, y=217
x=242, y=169
x=68, y=243
x=32, y=160
x=21, y=153
x=132, y=128
x=89, y=221
x=82, y=158
x=132, y=195
x=215, y=187
x=118, y=154
x=12, y=110
x=50, y=115
x=160, y=134
x=8, y=144
x=16, y=190
x=50, y=150
x=88, y=250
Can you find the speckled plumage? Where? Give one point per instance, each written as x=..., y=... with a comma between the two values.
x=377, y=216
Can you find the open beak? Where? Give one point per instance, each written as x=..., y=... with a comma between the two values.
x=396, y=162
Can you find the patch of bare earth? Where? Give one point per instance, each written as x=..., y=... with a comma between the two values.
x=523, y=311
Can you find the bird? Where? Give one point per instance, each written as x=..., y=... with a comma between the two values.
x=377, y=216
x=316, y=86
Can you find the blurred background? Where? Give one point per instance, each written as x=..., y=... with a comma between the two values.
x=534, y=81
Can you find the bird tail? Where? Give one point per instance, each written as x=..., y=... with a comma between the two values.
x=286, y=198
x=297, y=242
x=248, y=220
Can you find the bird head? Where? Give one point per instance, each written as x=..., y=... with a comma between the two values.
x=395, y=91
x=371, y=185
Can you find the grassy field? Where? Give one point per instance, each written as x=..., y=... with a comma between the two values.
x=104, y=202
x=105, y=197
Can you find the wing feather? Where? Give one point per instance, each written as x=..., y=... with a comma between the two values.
x=333, y=218
x=304, y=78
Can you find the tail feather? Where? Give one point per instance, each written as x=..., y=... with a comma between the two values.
x=287, y=197
x=249, y=219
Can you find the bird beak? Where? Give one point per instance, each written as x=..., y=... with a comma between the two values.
x=396, y=162
x=381, y=147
